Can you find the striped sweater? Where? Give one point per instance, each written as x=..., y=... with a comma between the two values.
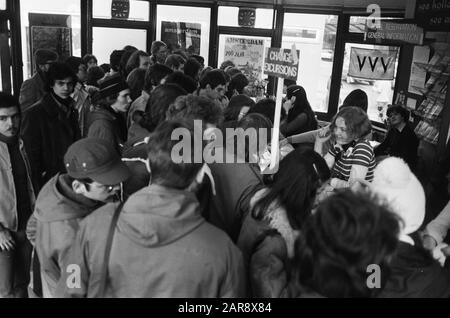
x=361, y=153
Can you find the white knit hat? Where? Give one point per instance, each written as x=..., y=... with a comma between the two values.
x=394, y=182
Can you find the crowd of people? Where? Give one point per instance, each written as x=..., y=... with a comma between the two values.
x=93, y=203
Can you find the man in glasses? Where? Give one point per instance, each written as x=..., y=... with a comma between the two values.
x=94, y=176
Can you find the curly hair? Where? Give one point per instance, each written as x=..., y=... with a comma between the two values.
x=348, y=232
x=356, y=120
x=398, y=109
x=160, y=99
x=196, y=107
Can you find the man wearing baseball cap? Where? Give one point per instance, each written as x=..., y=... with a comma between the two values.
x=94, y=176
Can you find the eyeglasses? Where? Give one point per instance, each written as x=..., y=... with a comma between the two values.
x=108, y=188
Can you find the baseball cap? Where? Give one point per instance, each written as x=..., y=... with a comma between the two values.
x=96, y=159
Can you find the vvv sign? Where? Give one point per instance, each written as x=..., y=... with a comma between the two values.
x=372, y=64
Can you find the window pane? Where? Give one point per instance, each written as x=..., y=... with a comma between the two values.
x=2, y=4
x=102, y=46
x=139, y=10
x=228, y=16
x=67, y=10
x=314, y=35
x=191, y=25
x=249, y=59
x=379, y=92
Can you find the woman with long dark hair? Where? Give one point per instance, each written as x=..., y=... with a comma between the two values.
x=276, y=214
x=300, y=116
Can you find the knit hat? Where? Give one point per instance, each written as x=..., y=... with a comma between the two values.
x=43, y=56
x=96, y=159
x=399, y=188
x=110, y=86
x=241, y=101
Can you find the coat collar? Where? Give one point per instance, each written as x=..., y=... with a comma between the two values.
x=52, y=106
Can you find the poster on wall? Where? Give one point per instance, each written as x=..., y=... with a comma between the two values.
x=52, y=32
x=372, y=64
x=181, y=35
x=418, y=69
x=247, y=55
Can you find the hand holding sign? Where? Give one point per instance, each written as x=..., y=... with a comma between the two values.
x=282, y=63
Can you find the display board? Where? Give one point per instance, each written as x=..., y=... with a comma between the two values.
x=181, y=35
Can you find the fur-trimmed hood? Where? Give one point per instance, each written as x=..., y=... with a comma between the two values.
x=278, y=220
x=253, y=231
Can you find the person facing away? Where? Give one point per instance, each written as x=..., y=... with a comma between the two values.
x=135, y=149
x=154, y=76
x=400, y=141
x=277, y=213
x=349, y=232
x=108, y=119
x=50, y=126
x=414, y=271
x=34, y=88
x=159, y=226
x=94, y=176
x=16, y=204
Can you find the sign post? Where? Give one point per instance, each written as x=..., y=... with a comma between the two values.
x=281, y=63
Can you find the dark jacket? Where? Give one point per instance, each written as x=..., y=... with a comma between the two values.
x=9, y=216
x=162, y=247
x=297, y=123
x=57, y=215
x=415, y=274
x=402, y=144
x=134, y=156
x=31, y=91
x=47, y=133
x=235, y=184
x=106, y=124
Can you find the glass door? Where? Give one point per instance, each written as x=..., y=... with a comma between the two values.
x=5, y=57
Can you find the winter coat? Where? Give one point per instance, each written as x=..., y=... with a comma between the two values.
x=134, y=156
x=268, y=248
x=415, y=274
x=82, y=105
x=162, y=247
x=235, y=183
x=106, y=124
x=31, y=91
x=57, y=215
x=8, y=199
x=138, y=105
x=47, y=133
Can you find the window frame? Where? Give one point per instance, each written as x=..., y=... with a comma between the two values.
x=212, y=22
x=358, y=38
x=332, y=98
x=90, y=22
